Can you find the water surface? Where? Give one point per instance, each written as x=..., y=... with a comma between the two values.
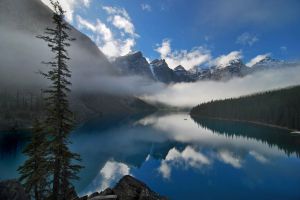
x=181, y=158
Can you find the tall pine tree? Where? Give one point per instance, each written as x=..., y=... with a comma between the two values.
x=34, y=172
x=59, y=118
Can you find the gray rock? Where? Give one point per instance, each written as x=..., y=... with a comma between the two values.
x=12, y=190
x=162, y=72
x=182, y=74
x=134, y=64
x=129, y=188
x=107, y=191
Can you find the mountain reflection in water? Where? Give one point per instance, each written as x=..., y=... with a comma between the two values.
x=181, y=159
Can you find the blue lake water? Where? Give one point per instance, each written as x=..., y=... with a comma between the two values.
x=179, y=157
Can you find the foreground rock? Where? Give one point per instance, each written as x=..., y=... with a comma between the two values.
x=128, y=188
x=12, y=190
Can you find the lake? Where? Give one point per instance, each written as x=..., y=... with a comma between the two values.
x=179, y=157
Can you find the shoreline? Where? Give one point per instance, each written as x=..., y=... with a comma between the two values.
x=252, y=122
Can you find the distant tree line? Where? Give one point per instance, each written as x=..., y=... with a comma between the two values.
x=279, y=107
x=273, y=137
x=20, y=105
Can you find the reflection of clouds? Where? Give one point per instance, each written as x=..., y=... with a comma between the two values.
x=165, y=169
x=147, y=120
x=110, y=173
x=174, y=127
x=229, y=158
x=187, y=158
x=259, y=157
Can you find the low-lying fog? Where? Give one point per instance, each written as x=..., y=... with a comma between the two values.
x=191, y=94
x=22, y=53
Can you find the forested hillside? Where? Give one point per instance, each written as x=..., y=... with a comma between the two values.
x=279, y=107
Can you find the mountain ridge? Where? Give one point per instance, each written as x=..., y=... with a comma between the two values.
x=21, y=57
x=161, y=72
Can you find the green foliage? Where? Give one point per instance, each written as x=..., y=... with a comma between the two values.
x=279, y=107
x=34, y=172
x=59, y=118
x=50, y=162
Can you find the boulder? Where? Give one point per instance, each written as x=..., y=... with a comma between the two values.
x=12, y=190
x=128, y=188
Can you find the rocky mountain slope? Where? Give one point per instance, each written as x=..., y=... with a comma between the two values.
x=133, y=64
x=136, y=64
x=21, y=56
x=128, y=188
x=235, y=68
x=162, y=71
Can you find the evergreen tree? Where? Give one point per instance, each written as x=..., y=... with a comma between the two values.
x=279, y=107
x=34, y=172
x=59, y=118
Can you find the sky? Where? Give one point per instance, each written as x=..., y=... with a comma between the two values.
x=194, y=32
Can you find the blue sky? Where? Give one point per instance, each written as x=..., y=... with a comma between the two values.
x=190, y=32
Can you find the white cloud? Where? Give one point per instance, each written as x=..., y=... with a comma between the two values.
x=106, y=40
x=124, y=24
x=99, y=28
x=259, y=157
x=164, y=49
x=191, y=94
x=257, y=59
x=120, y=19
x=188, y=59
x=228, y=158
x=146, y=7
x=86, y=3
x=224, y=60
x=116, y=11
x=187, y=158
x=247, y=39
x=112, y=171
x=165, y=170
x=108, y=176
x=111, y=43
x=69, y=6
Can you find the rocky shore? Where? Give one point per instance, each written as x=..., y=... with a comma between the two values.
x=128, y=188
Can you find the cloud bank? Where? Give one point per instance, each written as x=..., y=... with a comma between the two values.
x=191, y=94
x=112, y=43
x=224, y=60
x=188, y=59
x=69, y=6
x=257, y=59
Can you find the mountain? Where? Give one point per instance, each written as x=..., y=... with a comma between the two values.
x=271, y=63
x=134, y=64
x=20, y=22
x=21, y=56
x=182, y=74
x=235, y=68
x=268, y=62
x=162, y=71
